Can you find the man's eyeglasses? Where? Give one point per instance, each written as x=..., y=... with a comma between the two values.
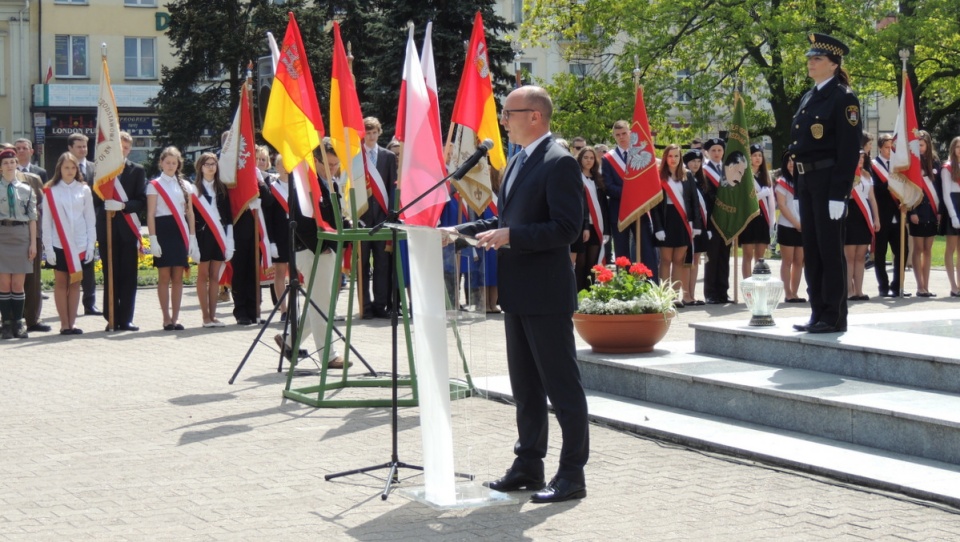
x=578, y=149
x=505, y=114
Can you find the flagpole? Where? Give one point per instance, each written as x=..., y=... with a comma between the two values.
x=247, y=87
x=738, y=89
x=904, y=56
x=110, y=214
x=638, y=241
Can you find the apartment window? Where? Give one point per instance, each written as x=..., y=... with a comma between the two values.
x=518, y=11
x=140, y=3
x=140, y=58
x=579, y=69
x=683, y=80
x=70, y=1
x=71, y=56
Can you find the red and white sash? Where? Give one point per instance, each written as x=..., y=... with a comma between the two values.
x=678, y=205
x=132, y=220
x=867, y=214
x=375, y=182
x=281, y=191
x=211, y=215
x=782, y=183
x=73, y=255
x=174, y=211
x=593, y=204
x=763, y=204
x=711, y=174
x=265, y=259
x=881, y=170
x=613, y=158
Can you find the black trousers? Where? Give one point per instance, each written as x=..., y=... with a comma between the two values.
x=378, y=273
x=542, y=361
x=89, y=288
x=716, y=270
x=824, y=263
x=889, y=235
x=246, y=277
x=124, y=271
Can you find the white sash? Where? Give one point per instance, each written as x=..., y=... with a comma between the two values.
x=375, y=181
x=211, y=215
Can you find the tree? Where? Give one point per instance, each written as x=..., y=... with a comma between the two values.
x=701, y=48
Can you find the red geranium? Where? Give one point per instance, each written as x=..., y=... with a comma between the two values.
x=604, y=276
x=640, y=269
x=623, y=261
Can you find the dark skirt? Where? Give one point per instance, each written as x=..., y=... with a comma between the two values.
x=14, y=245
x=858, y=233
x=788, y=236
x=61, y=264
x=675, y=229
x=577, y=247
x=756, y=232
x=923, y=229
x=700, y=241
x=171, y=243
x=282, y=240
x=209, y=247
x=946, y=227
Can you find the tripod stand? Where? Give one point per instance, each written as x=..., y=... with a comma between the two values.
x=292, y=291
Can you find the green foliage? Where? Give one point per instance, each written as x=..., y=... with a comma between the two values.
x=625, y=288
x=761, y=43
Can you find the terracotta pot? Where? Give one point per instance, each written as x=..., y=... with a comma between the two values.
x=622, y=333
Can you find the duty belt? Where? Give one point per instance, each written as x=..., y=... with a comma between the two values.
x=808, y=167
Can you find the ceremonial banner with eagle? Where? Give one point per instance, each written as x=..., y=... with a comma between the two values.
x=641, y=184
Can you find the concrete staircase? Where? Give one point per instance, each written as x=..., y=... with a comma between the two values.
x=878, y=405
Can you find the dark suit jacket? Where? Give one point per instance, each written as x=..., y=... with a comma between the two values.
x=387, y=166
x=544, y=211
x=38, y=171
x=133, y=178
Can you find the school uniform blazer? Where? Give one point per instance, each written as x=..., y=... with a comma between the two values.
x=691, y=206
x=544, y=211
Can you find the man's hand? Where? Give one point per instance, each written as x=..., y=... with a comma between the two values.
x=836, y=209
x=494, y=238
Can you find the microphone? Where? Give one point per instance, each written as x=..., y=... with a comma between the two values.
x=474, y=158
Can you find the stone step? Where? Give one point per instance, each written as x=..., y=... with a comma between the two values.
x=862, y=465
x=898, y=419
x=920, y=350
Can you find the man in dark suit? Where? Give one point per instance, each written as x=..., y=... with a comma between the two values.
x=384, y=162
x=541, y=214
x=32, y=286
x=77, y=146
x=888, y=207
x=133, y=183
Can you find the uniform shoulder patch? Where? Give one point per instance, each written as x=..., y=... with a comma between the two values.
x=853, y=115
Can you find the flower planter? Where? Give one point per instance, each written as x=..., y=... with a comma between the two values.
x=622, y=333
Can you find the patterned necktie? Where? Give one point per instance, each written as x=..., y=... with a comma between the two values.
x=373, y=157
x=515, y=170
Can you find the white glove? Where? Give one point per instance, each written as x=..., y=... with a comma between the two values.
x=113, y=205
x=955, y=223
x=690, y=223
x=709, y=235
x=696, y=232
x=255, y=205
x=230, y=246
x=836, y=209
x=606, y=239
x=155, y=247
x=194, y=249
x=660, y=235
x=51, y=256
x=764, y=192
x=90, y=254
x=274, y=252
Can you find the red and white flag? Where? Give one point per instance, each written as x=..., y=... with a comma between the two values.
x=641, y=181
x=906, y=179
x=238, y=164
x=422, y=165
x=49, y=76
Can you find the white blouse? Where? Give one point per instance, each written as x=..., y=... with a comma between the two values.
x=75, y=207
x=174, y=189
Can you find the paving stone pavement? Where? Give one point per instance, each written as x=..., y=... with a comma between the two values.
x=129, y=436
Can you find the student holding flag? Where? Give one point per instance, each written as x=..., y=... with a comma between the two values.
x=170, y=222
x=69, y=235
x=826, y=144
x=214, y=227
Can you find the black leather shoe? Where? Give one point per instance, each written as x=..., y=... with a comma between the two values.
x=559, y=490
x=39, y=327
x=244, y=322
x=515, y=480
x=128, y=327
x=803, y=327
x=823, y=327
x=92, y=311
x=367, y=315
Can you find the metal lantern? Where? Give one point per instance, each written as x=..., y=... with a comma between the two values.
x=761, y=293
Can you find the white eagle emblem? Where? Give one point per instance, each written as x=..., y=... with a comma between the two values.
x=638, y=157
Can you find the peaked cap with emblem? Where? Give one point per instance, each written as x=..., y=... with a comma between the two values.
x=714, y=141
x=822, y=44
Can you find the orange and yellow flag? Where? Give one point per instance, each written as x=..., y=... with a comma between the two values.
x=346, y=127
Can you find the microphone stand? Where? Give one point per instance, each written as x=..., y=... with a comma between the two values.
x=395, y=464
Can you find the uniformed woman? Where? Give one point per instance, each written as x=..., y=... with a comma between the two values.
x=212, y=203
x=825, y=147
x=18, y=244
